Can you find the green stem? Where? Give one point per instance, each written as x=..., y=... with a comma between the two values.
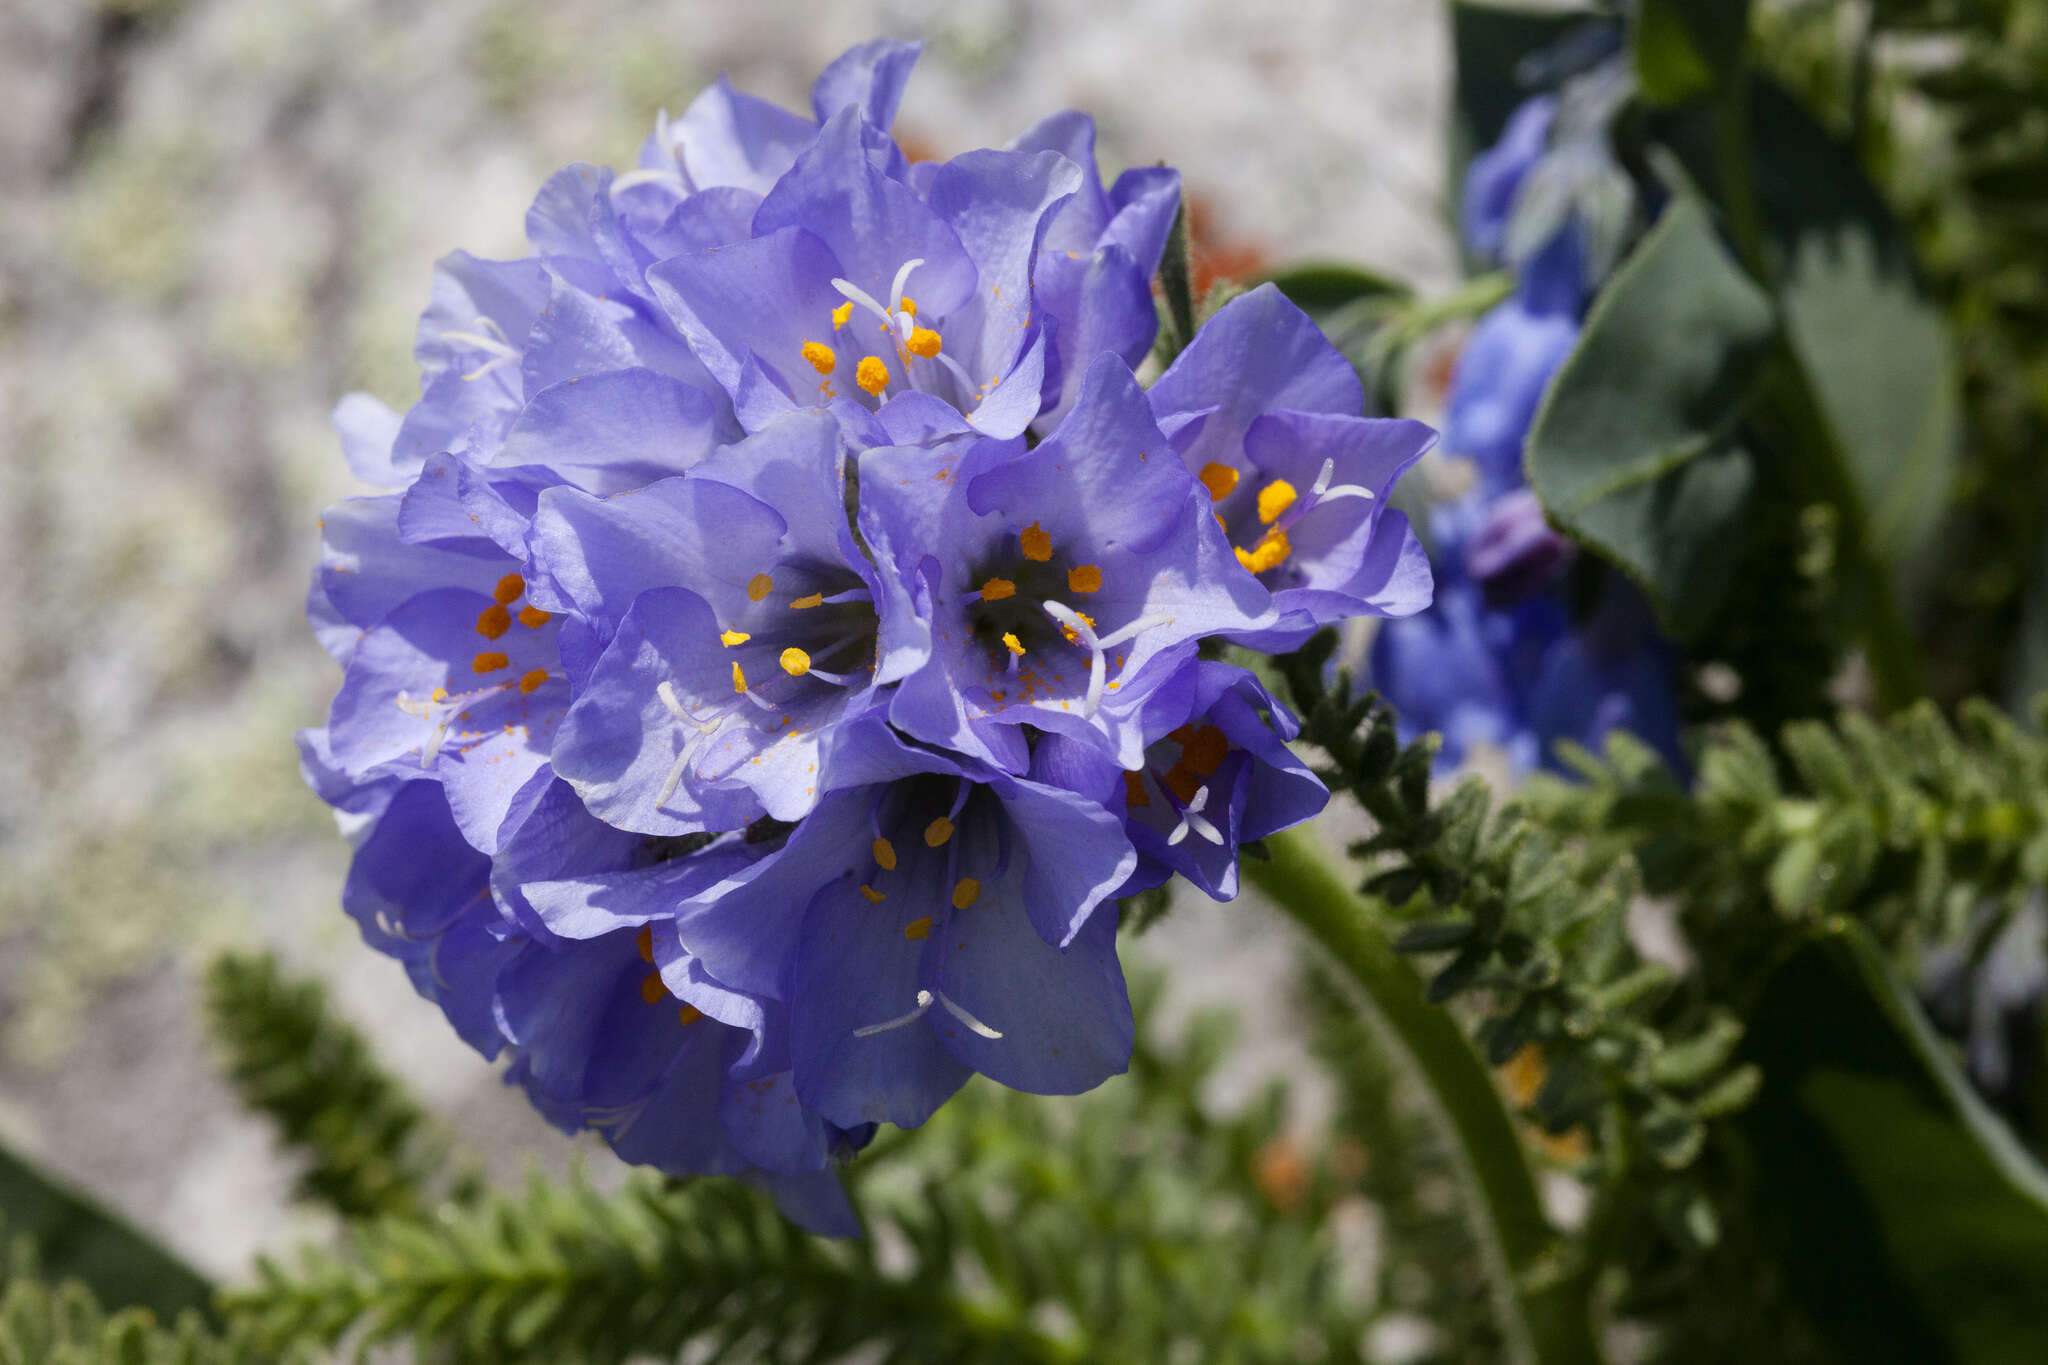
x=1551, y=1324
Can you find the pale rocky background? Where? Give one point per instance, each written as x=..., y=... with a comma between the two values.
x=216, y=216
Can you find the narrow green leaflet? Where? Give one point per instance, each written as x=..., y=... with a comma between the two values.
x=75, y=1238
x=1634, y=451
x=1683, y=49
x=1910, y=1221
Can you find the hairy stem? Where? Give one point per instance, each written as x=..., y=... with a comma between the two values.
x=1552, y=1324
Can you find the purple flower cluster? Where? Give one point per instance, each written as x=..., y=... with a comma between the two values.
x=791, y=623
x=1499, y=661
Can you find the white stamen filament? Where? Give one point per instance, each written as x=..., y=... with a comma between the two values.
x=896, y=287
x=1098, y=647
x=501, y=351
x=667, y=692
x=924, y=1002
x=645, y=176
x=1191, y=818
x=848, y=289
x=1321, y=491
x=953, y=1008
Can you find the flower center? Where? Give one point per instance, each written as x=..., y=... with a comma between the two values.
x=1258, y=523
x=810, y=633
x=911, y=355
x=1177, y=771
x=922, y=871
x=1026, y=610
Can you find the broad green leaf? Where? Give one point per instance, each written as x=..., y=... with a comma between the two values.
x=1683, y=49
x=74, y=1238
x=1318, y=287
x=1907, y=1218
x=1860, y=318
x=1634, y=450
x=1870, y=342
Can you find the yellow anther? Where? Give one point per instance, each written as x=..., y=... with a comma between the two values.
x=688, y=1015
x=1134, y=790
x=923, y=342
x=729, y=638
x=816, y=599
x=1219, y=479
x=795, y=662
x=1012, y=643
x=533, y=618
x=646, y=942
x=874, y=897
x=509, y=587
x=1203, y=751
x=493, y=621
x=910, y=305
x=440, y=694
x=918, y=929
x=885, y=855
x=822, y=357
x=937, y=832
x=1037, y=544
x=996, y=589
x=759, y=586
x=651, y=989
x=1087, y=578
x=966, y=892
x=739, y=677
x=529, y=681
x=490, y=661
x=842, y=315
x=871, y=374
x=1275, y=498
x=1270, y=553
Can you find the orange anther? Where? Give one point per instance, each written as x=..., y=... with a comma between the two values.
x=918, y=929
x=509, y=587
x=530, y=681
x=1037, y=544
x=1203, y=752
x=1219, y=479
x=871, y=374
x=493, y=621
x=1274, y=499
x=533, y=618
x=1087, y=578
x=490, y=661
